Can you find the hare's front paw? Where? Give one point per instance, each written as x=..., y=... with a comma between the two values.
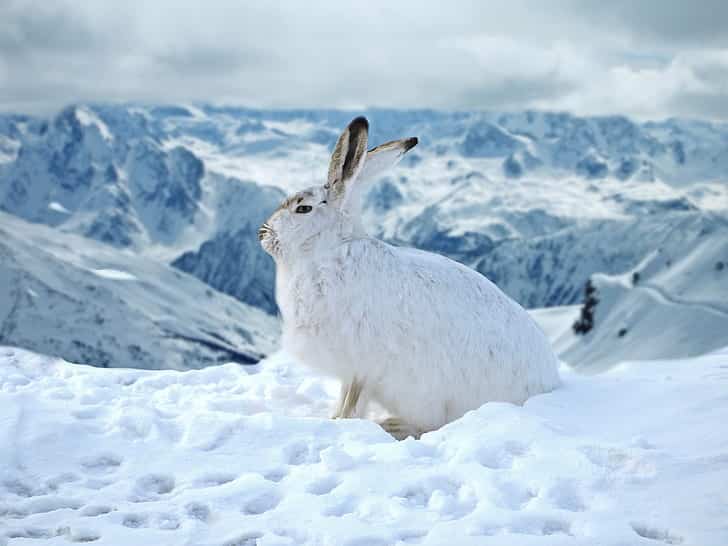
x=347, y=405
x=399, y=429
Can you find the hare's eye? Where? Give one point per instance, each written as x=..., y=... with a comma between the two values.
x=303, y=209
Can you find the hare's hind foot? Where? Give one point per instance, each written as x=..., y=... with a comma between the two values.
x=348, y=404
x=399, y=429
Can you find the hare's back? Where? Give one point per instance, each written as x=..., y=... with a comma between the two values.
x=434, y=292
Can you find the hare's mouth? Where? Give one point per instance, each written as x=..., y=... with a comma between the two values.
x=268, y=239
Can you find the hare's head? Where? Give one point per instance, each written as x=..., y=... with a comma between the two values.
x=318, y=217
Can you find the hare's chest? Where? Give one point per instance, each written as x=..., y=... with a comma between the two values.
x=309, y=299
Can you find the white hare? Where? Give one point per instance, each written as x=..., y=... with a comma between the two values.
x=425, y=337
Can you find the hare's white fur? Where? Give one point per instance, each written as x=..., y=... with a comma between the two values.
x=426, y=337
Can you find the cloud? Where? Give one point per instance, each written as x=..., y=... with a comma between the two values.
x=646, y=59
x=661, y=22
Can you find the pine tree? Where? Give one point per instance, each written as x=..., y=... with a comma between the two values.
x=586, y=319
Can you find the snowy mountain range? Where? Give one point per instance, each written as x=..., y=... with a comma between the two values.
x=539, y=202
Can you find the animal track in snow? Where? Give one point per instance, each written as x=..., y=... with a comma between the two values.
x=213, y=479
x=339, y=506
x=500, y=457
x=198, y=510
x=565, y=495
x=440, y=494
x=513, y=495
x=539, y=526
x=135, y=521
x=22, y=489
x=93, y=510
x=276, y=474
x=262, y=503
x=151, y=486
x=102, y=463
x=300, y=453
x=323, y=486
x=525, y=525
x=246, y=539
x=412, y=536
x=57, y=481
x=653, y=533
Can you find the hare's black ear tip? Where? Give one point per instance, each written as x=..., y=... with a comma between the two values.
x=359, y=124
x=410, y=143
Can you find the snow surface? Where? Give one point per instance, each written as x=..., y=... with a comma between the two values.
x=243, y=455
x=54, y=205
x=114, y=274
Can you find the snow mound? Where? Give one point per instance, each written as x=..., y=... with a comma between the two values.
x=235, y=455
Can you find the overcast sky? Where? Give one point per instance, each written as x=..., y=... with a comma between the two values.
x=646, y=58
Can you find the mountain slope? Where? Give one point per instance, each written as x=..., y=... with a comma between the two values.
x=88, y=302
x=665, y=307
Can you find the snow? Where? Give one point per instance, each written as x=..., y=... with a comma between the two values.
x=89, y=118
x=56, y=206
x=88, y=302
x=245, y=455
x=114, y=274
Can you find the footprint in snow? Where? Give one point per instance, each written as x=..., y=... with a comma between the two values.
x=262, y=503
x=22, y=489
x=276, y=474
x=198, y=511
x=654, y=533
x=539, y=527
x=323, y=486
x=135, y=521
x=412, y=536
x=339, y=506
x=440, y=494
x=94, y=510
x=213, y=479
x=500, y=457
x=151, y=486
x=102, y=463
x=300, y=453
x=513, y=495
x=247, y=539
x=565, y=495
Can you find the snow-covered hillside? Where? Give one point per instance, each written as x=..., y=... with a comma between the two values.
x=539, y=202
x=70, y=296
x=243, y=455
x=673, y=303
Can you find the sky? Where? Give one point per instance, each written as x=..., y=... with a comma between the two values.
x=649, y=59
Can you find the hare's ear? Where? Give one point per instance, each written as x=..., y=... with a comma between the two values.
x=348, y=157
x=384, y=157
